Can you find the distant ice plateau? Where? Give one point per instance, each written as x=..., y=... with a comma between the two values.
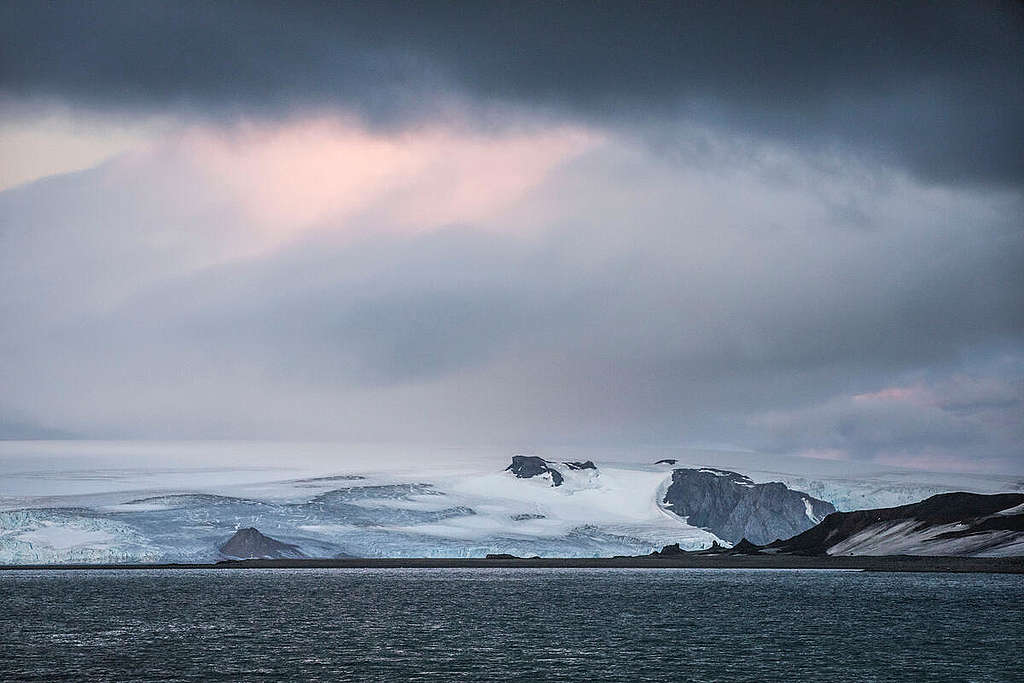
x=94, y=502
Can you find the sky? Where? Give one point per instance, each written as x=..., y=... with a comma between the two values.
x=794, y=229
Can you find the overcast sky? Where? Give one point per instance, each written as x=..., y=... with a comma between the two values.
x=798, y=231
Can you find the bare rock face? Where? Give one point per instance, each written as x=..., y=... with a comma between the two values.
x=248, y=544
x=527, y=466
x=733, y=507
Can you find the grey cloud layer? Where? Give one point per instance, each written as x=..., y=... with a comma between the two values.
x=691, y=304
x=935, y=87
x=741, y=261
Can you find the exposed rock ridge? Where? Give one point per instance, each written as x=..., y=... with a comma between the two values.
x=249, y=544
x=527, y=466
x=733, y=507
x=744, y=547
x=944, y=524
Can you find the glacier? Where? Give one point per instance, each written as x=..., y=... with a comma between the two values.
x=90, y=502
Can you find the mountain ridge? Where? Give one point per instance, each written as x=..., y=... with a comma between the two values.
x=733, y=507
x=943, y=523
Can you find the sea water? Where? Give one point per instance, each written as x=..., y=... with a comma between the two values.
x=509, y=624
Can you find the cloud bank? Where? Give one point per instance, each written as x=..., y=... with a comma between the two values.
x=797, y=232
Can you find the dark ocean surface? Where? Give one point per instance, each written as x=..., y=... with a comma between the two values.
x=509, y=624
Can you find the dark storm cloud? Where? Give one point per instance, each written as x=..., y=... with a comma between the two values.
x=935, y=87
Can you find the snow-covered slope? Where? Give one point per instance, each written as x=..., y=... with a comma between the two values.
x=966, y=524
x=592, y=512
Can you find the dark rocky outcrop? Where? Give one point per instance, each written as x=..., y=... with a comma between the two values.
x=745, y=547
x=523, y=516
x=251, y=544
x=984, y=524
x=733, y=507
x=527, y=466
x=669, y=551
x=666, y=461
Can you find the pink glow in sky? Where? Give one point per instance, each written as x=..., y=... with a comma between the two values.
x=892, y=394
x=322, y=173
x=824, y=454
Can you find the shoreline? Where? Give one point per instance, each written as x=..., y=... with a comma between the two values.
x=896, y=563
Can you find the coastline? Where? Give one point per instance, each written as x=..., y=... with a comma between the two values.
x=894, y=563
